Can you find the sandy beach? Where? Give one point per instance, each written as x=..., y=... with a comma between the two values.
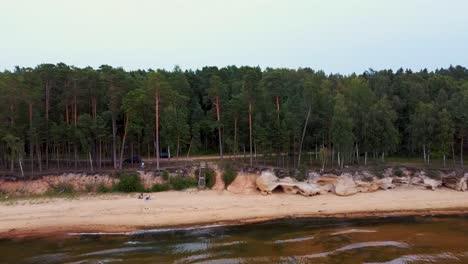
x=113, y=213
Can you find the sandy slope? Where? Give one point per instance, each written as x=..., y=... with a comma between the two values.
x=125, y=212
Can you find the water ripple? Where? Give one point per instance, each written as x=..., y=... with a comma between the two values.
x=353, y=231
x=422, y=257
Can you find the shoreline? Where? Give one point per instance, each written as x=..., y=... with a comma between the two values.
x=169, y=210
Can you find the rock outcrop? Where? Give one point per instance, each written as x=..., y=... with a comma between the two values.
x=343, y=185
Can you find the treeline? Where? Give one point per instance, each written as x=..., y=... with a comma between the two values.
x=56, y=115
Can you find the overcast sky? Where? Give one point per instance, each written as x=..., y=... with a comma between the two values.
x=335, y=36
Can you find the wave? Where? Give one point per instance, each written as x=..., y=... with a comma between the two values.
x=421, y=257
x=292, y=240
x=353, y=231
x=357, y=246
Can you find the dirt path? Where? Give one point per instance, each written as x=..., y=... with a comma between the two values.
x=169, y=209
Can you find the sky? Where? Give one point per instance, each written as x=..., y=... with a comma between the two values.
x=335, y=36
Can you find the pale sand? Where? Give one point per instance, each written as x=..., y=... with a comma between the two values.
x=112, y=213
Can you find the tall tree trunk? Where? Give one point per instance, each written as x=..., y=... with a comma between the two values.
x=57, y=158
x=357, y=153
x=453, y=153
x=47, y=107
x=100, y=154
x=250, y=132
x=444, y=161
x=75, y=150
x=122, y=147
x=461, y=152
x=235, y=134
x=218, y=118
x=94, y=107
x=424, y=153
x=90, y=161
x=365, y=158
x=67, y=118
x=114, y=132
x=39, y=158
x=178, y=146
x=31, y=146
x=302, y=138
x=156, y=101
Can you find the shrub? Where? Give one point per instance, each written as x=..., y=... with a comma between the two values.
x=179, y=183
x=89, y=187
x=165, y=175
x=128, y=183
x=102, y=188
x=229, y=175
x=398, y=172
x=210, y=177
x=160, y=187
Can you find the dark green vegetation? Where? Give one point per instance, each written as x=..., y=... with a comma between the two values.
x=60, y=116
x=229, y=174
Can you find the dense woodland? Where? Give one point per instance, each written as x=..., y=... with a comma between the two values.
x=56, y=116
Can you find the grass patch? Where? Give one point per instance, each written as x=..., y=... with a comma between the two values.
x=183, y=183
x=165, y=175
x=160, y=187
x=128, y=183
x=103, y=188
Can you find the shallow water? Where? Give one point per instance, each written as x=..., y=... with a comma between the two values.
x=378, y=240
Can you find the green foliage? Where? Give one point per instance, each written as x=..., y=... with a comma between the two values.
x=342, y=130
x=391, y=112
x=229, y=174
x=160, y=187
x=182, y=183
x=210, y=176
x=378, y=168
x=128, y=183
x=165, y=175
x=103, y=189
x=398, y=172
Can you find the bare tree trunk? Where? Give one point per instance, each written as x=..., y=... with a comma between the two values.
x=100, y=154
x=444, y=161
x=302, y=138
x=114, y=132
x=357, y=153
x=156, y=101
x=218, y=118
x=122, y=147
x=235, y=135
x=75, y=148
x=250, y=132
x=453, y=153
x=31, y=146
x=424, y=153
x=90, y=161
x=365, y=158
x=38, y=156
x=57, y=158
x=21, y=166
x=461, y=152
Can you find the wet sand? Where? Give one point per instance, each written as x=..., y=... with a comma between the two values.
x=121, y=212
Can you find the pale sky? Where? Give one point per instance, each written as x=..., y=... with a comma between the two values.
x=335, y=36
